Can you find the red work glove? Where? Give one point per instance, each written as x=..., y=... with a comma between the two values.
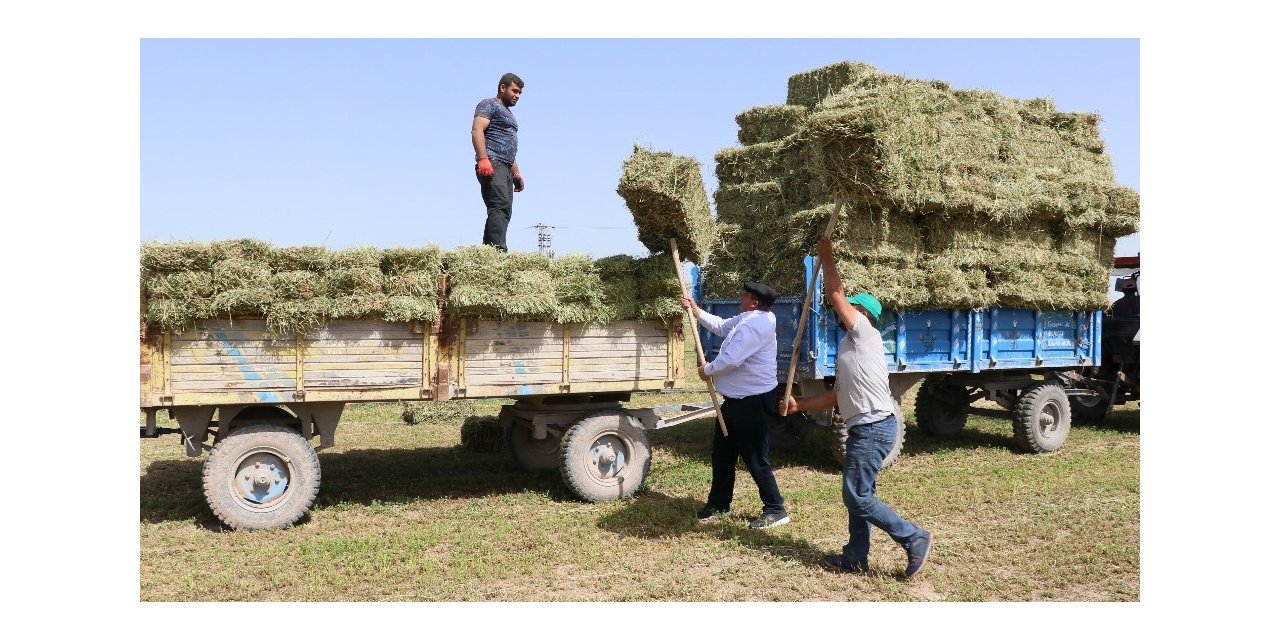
x=519, y=181
x=484, y=167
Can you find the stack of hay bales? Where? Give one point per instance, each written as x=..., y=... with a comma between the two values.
x=299, y=288
x=293, y=288
x=953, y=198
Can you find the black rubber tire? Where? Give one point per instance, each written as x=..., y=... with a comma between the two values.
x=1042, y=418
x=839, y=434
x=591, y=476
x=942, y=410
x=528, y=452
x=299, y=467
x=788, y=432
x=1088, y=409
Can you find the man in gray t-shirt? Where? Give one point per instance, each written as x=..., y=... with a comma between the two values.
x=493, y=136
x=866, y=404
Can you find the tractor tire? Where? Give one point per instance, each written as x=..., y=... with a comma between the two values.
x=788, y=432
x=1042, y=418
x=530, y=453
x=1089, y=409
x=942, y=410
x=262, y=476
x=841, y=433
x=605, y=456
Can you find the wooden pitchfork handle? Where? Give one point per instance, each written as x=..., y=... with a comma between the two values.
x=697, y=340
x=804, y=311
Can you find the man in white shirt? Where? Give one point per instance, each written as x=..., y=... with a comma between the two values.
x=745, y=372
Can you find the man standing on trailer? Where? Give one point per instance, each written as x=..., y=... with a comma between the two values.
x=493, y=136
x=746, y=374
x=865, y=402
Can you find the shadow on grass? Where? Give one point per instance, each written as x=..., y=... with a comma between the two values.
x=654, y=514
x=815, y=451
x=172, y=489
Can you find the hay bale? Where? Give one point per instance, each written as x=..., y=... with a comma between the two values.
x=402, y=308
x=960, y=231
x=429, y=259
x=173, y=257
x=422, y=284
x=753, y=163
x=742, y=203
x=769, y=123
x=482, y=434
x=298, y=285
x=175, y=315
x=314, y=259
x=246, y=249
x=181, y=285
x=286, y=318
x=667, y=200
x=808, y=88
x=360, y=257
x=358, y=305
x=358, y=280
x=579, y=290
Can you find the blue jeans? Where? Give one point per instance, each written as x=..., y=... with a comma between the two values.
x=864, y=453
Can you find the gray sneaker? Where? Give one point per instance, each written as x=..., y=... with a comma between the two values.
x=770, y=520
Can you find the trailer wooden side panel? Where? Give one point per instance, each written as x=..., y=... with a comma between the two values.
x=237, y=361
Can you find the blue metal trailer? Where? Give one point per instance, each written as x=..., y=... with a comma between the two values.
x=1030, y=362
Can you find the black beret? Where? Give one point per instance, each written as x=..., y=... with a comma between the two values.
x=761, y=291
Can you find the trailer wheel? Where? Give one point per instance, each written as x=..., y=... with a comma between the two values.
x=605, y=456
x=1090, y=409
x=261, y=476
x=529, y=453
x=1042, y=418
x=840, y=433
x=942, y=410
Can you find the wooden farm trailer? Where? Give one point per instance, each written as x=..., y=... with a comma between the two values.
x=254, y=401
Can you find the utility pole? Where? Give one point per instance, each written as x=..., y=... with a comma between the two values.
x=544, y=240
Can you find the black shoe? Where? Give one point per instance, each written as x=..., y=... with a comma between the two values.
x=711, y=513
x=837, y=562
x=917, y=553
x=770, y=520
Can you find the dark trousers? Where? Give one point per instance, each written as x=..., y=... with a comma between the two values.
x=748, y=423
x=497, y=191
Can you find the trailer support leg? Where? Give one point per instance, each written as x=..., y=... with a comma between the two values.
x=194, y=422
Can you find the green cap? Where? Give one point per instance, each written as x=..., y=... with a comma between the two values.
x=868, y=302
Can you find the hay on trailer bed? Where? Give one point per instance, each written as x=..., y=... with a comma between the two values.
x=667, y=200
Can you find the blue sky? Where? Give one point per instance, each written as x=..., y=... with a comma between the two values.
x=344, y=142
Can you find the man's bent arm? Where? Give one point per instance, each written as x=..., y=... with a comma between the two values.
x=478, y=125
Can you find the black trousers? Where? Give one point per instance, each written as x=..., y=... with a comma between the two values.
x=748, y=421
x=497, y=191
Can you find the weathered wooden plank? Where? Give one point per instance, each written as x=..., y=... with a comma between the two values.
x=550, y=345
x=309, y=373
x=195, y=376
x=500, y=329
x=373, y=347
x=512, y=378
x=224, y=385
x=555, y=364
x=618, y=330
x=599, y=376
x=252, y=361
x=242, y=346
x=388, y=357
x=231, y=369
x=362, y=366
x=389, y=381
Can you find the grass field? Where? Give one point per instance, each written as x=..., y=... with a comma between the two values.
x=405, y=513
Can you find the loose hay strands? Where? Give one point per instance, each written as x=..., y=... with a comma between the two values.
x=667, y=200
